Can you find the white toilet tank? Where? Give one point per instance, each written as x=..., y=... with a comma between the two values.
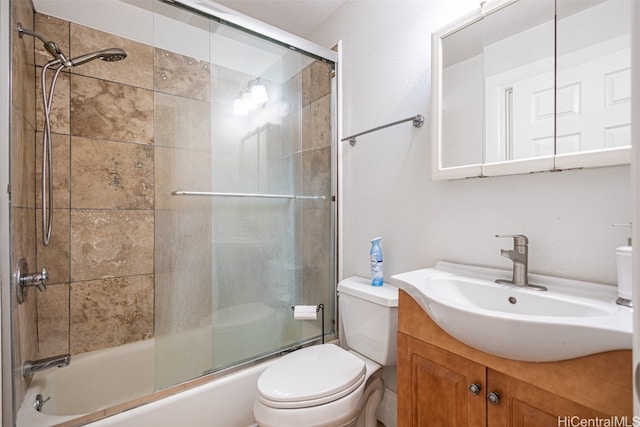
x=369, y=316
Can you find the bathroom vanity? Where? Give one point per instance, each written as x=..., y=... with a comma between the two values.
x=444, y=382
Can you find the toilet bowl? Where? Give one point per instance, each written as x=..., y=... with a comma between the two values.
x=325, y=385
x=322, y=385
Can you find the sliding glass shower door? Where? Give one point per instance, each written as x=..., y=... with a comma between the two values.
x=244, y=226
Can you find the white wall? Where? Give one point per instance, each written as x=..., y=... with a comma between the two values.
x=387, y=187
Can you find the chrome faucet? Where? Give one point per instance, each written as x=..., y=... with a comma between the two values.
x=30, y=367
x=520, y=257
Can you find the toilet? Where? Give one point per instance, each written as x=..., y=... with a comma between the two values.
x=325, y=385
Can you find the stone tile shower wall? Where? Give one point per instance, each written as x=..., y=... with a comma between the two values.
x=314, y=216
x=101, y=256
x=23, y=208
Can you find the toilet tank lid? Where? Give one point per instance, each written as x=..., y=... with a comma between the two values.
x=386, y=295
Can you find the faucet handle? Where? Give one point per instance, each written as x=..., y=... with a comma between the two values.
x=518, y=239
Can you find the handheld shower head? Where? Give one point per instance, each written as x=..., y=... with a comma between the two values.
x=109, y=55
x=55, y=51
x=60, y=62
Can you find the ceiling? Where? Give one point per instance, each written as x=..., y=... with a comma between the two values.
x=299, y=17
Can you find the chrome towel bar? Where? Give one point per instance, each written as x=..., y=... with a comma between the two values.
x=253, y=195
x=418, y=121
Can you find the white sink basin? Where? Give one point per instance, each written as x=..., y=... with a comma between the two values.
x=571, y=319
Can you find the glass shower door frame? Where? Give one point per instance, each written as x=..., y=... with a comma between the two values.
x=330, y=150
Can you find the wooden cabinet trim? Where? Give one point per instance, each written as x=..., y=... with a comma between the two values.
x=433, y=387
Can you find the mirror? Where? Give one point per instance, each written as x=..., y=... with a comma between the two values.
x=593, y=94
x=532, y=85
x=462, y=100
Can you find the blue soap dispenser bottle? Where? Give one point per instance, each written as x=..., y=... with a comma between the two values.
x=377, y=277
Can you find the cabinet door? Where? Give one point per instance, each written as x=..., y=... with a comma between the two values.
x=433, y=387
x=524, y=405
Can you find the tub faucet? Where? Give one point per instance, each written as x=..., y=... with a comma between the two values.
x=30, y=367
x=519, y=255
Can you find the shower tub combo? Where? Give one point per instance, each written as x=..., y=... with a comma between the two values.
x=106, y=382
x=238, y=227
x=122, y=374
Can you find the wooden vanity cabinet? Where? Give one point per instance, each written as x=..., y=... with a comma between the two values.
x=445, y=383
x=433, y=387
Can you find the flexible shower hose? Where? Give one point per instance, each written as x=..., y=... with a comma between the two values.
x=47, y=160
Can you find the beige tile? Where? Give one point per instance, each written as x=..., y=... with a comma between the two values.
x=53, y=321
x=319, y=135
x=25, y=321
x=23, y=232
x=306, y=86
x=316, y=235
x=60, y=155
x=27, y=333
x=23, y=183
x=136, y=69
x=108, y=243
x=110, y=312
x=317, y=287
x=23, y=70
x=182, y=122
x=60, y=112
x=181, y=75
x=55, y=256
x=111, y=175
x=320, y=84
x=316, y=172
x=305, y=126
x=316, y=82
x=23, y=316
x=111, y=111
x=54, y=29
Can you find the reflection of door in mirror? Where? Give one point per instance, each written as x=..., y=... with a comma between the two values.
x=593, y=75
x=532, y=85
x=462, y=97
x=519, y=81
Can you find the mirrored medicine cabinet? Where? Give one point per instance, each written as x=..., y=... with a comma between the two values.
x=525, y=86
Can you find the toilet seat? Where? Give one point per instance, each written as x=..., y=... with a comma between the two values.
x=311, y=376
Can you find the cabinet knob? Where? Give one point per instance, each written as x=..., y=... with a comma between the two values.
x=474, y=389
x=493, y=398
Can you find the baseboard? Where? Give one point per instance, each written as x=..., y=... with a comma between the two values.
x=388, y=410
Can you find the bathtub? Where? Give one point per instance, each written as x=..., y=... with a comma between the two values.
x=223, y=402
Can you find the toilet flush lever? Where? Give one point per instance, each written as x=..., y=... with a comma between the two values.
x=25, y=280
